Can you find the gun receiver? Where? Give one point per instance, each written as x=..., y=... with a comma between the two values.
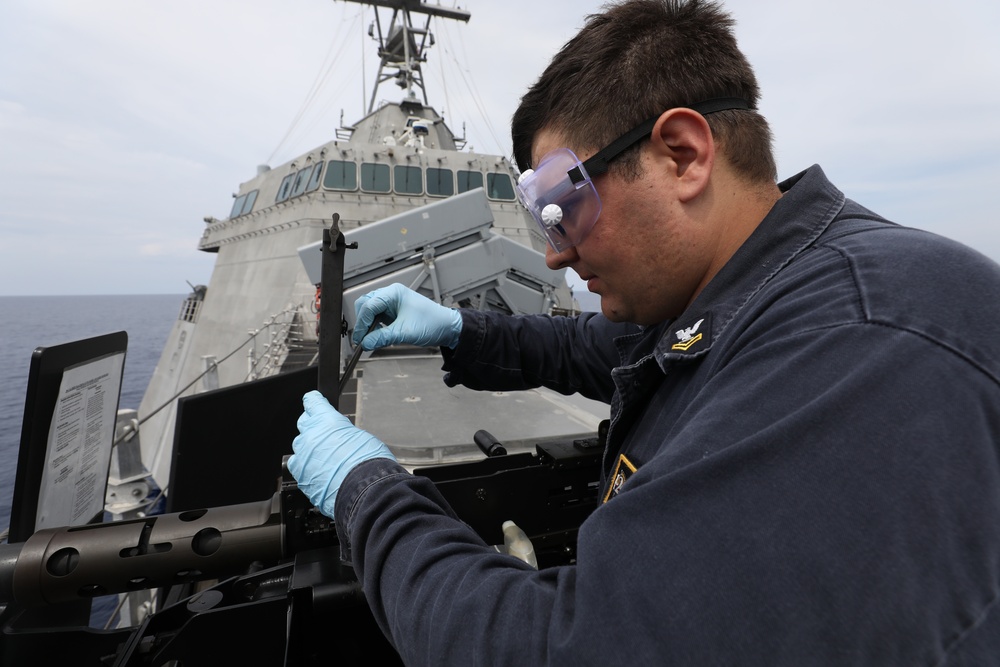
x=274, y=566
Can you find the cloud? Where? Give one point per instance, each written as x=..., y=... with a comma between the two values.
x=123, y=124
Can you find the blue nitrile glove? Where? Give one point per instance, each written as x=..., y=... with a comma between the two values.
x=413, y=320
x=327, y=448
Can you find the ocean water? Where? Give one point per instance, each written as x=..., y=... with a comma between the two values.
x=28, y=322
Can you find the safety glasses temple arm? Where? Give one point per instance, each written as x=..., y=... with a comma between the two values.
x=597, y=164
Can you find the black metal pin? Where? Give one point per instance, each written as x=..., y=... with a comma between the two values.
x=353, y=361
x=488, y=444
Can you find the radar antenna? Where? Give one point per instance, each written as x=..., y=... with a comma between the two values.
x=402, y=46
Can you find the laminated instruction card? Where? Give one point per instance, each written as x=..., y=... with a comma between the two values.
x=79, y=445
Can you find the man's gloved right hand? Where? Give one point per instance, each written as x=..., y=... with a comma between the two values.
x=412, y=320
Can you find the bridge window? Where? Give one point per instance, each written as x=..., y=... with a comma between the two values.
x=251, y=199
x=440, y=182
x=499, y=186
x=316, y=177
x=238, y=206
x=469, y=180
x=407, y=180
x=286, y=189
x=302, y=180
x=374, y=177
x=341, y=175
x=243, y=204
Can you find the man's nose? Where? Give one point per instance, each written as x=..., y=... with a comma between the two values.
x=560, y=260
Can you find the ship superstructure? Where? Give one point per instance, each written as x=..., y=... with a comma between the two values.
x=257, y=315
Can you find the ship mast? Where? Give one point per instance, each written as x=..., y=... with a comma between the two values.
x=399, y=49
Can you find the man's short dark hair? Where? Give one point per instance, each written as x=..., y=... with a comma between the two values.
x=635, y=61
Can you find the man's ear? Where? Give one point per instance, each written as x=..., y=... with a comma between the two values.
x=682, y=139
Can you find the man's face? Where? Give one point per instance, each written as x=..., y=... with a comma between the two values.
x=645, y=256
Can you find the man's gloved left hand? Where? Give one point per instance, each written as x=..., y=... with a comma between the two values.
x=327, y=448
x=411, y=319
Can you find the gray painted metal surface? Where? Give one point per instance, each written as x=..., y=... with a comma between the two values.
x=477, y=247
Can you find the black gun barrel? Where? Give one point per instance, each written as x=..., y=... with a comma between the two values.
x=71, y=563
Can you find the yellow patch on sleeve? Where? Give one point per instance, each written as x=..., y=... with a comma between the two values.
x=623, y=470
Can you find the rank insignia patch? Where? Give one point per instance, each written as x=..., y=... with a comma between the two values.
x=697, y=332
x=622, y=472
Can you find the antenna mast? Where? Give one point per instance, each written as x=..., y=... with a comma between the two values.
x=399, y=50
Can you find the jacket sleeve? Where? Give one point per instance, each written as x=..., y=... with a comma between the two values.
x=838, y=522
x=566, y=354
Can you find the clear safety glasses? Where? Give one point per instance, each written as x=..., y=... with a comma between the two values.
x=560, y=194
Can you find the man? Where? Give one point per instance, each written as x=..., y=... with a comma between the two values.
x=802, y=464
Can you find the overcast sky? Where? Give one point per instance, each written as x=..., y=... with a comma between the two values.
x=124, y=123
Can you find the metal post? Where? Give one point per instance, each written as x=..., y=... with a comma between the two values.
x=331, y=311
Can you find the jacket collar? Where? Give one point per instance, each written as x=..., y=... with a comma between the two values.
x=808, y=206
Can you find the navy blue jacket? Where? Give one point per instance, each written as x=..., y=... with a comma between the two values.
x=817, y=470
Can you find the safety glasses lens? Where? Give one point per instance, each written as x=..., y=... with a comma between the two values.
x=565, y=211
